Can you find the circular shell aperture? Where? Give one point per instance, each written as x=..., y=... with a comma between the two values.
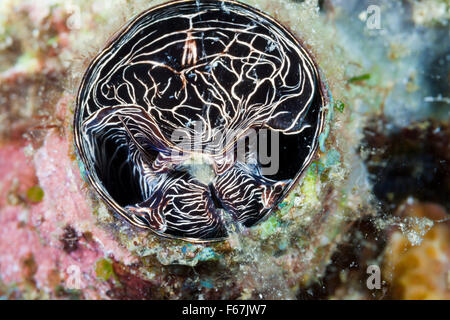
x=198, y=115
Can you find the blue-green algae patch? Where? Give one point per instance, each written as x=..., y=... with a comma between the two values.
x=207, y=284
x=331, y=158
x=83, y=171
x=205, y=254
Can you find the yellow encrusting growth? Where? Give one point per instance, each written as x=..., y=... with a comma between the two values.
x=421, y=271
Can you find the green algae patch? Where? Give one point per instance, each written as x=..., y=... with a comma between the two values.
x=359, y=78
x=104, y=269
x=339, y=106
x=286, y=205
x=53, y=41
x=308, y=188
x=27, y=62
x=35, y=194
x=268, y=227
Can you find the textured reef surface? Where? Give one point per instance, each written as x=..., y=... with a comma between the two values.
x=376, y=193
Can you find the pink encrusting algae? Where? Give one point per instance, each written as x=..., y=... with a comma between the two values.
x=37, y=230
